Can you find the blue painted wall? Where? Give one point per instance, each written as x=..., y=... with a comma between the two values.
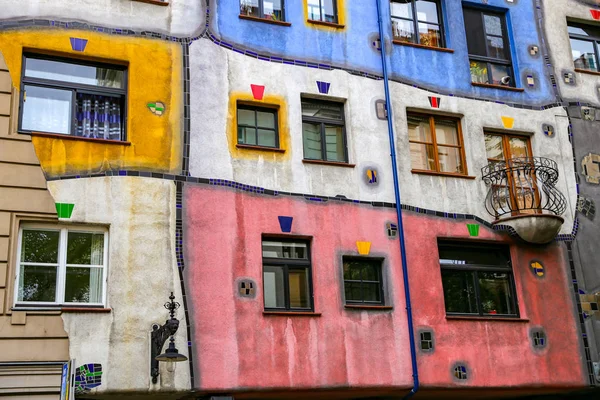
x=351, y=47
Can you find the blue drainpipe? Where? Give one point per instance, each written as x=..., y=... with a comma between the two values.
x=388, y=107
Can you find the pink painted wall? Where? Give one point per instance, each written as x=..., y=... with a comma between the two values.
x=237, y=347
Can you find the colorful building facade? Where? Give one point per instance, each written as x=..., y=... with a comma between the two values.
x=346, y=199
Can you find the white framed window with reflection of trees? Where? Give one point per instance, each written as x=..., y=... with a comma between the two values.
x=61, y=266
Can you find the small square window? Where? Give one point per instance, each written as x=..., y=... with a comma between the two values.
x=322, y=10
x=323, y=130
x=257, y=126
x=427, y=341
x=75, y=98
x=460, y=372
x=417, y=21
x=266, y=9
x=539, y=338
x=363, y=281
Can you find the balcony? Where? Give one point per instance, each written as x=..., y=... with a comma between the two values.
x=522, y=196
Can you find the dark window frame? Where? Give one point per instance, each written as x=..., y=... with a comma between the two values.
x=335, y=12
x=256, y=108
x=286, y=264
x=75, y=88
x=475, y=268
x=323, y=122
x=505, y=39
x=380, y=276
x=261, y=10
x=415, y=21
x=595, y=40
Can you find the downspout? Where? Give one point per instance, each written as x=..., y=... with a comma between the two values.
x=388, y=108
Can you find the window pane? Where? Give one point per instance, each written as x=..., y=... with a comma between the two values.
x=321, y=109
x=496, y=48
x=267, y=138
x=459, y=292
x=314, y=10
x=246, y=135
x=250, y=8
x=311, y=137
x=37, y=283
x=474, y=32
x=246, y=117
x=427, y=11
x=584, y=56
x=83, y=285
x=518, y=147
x=446, y=131
x=499, y=72
x=401, y=9
x=265, y=119
x=493, y=25
x=273, y=287
x=98, y=116
x=329, y=10
x=419, y=129
x=273, y=249
x=353, y=291
x=299, y=292
x=355, y=269
x=430, y=35
x=85, y=248
x=479, y=72
x=461, y=255
x=585, y=30
x=40, y=246
x=450, y=160
x=494, y=289
x=273, y=10
x=421, y=156
x=47, y=110
x=371, y=292
x=74, y=73
x=403, y=30
x=493, y=147
x=334, y=143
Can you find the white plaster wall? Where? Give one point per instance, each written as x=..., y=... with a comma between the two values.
x=556, y=13
x=179, y=18
x=142, y=272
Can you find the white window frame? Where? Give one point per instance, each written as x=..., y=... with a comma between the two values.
x=62, y=263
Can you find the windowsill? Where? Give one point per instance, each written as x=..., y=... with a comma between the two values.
x=268, y=21
x=332, y=163
x=365, y=307
x=259, y=148
x=85, y=309
x=422, y=46
x=444, y=174
x=65, y=309
x=585, y=71
x=485, y=318
x=491, y=86
x=69, y=137
x=155, y=2
x=291, y=313
x=324, y=23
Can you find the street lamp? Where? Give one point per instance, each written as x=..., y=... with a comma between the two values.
x=159, y=337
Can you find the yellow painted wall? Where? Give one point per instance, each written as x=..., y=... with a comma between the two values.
x=283, y=126
x=154, y=74
x=341, y=12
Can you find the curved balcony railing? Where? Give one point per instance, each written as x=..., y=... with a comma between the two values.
x=523, y=186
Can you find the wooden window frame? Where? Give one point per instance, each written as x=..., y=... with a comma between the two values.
x=492, y=60
x=75, y=88
x=257, y=108
x=323, y=122
x=595, y=40
x=461, y=145
x=380, y=281
x=415, y=21
x=321, y=19
x=261, y=11
x=286, y=264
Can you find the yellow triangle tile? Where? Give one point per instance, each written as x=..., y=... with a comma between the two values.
x=364, y=248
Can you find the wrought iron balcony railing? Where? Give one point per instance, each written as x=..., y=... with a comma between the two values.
x=523, y=186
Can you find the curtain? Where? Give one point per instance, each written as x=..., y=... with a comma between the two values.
x=98, y=117
x=96, y=273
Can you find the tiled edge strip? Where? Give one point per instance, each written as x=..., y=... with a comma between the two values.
x=180, y=179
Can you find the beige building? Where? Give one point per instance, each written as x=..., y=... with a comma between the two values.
x=33, y=343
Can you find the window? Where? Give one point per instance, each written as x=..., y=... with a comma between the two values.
x=257, y=126
x=266, y=9
x=322, y=10
x=323, y=132
x=422, y=16
x=436, y=144
x=427, y=341
x=362, y=281
x=477, y=280
x=287, y=280
x=489, y=50
x=58, y=265
x=584, y=45
x=73, y=98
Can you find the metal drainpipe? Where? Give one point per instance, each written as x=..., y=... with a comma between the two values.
x=388, y=108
